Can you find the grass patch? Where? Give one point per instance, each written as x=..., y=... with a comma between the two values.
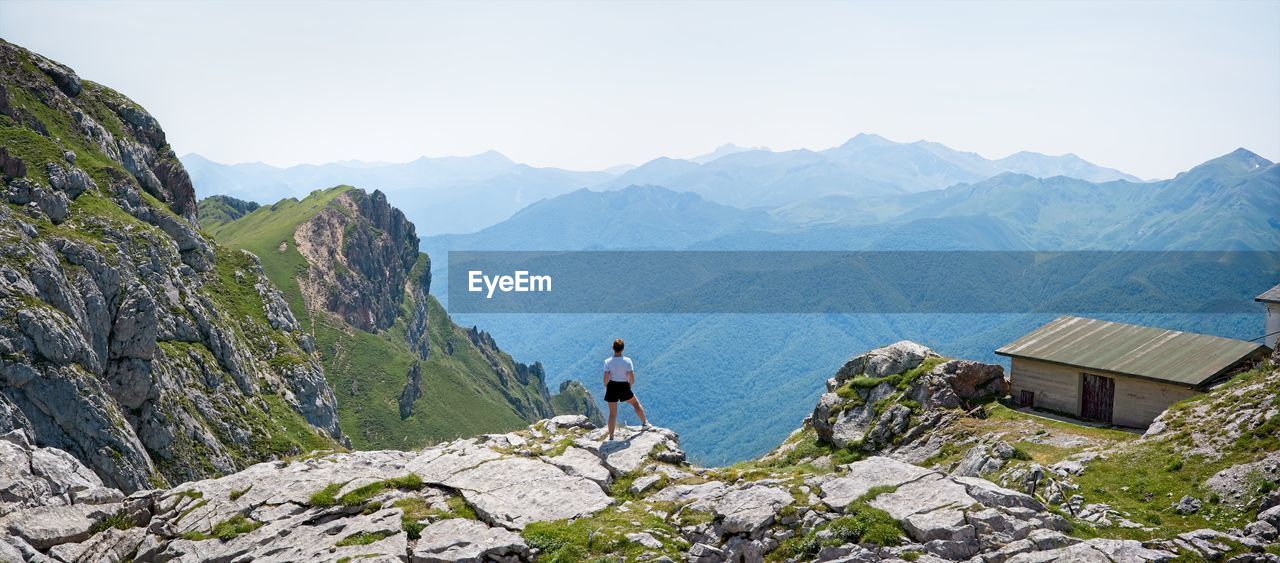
x=328, y=496
x=860, y=524
x=364, y=538
x=361, y=495
x=414, y=510
x=235, y=494
x=230, y=528
x=600, y=536
x=120, y=521
x=876, y=491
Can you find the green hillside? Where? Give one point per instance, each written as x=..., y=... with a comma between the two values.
x=220, y=209
x=467, y=385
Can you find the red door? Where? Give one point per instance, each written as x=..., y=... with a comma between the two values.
x=1098, y=398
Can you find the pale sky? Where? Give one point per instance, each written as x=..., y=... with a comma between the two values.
x=1150, y=88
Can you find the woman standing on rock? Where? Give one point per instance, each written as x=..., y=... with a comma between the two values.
x=619, y=375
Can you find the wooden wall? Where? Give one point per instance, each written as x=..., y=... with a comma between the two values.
x=1058, y=388
x=1139, y=401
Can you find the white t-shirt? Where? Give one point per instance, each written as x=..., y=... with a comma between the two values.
x=617, y=367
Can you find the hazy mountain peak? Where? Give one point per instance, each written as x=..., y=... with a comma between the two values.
x=866, y=140
x=494, y=156
x=1239, y=160
x=724, y=150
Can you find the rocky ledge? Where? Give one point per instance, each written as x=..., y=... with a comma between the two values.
x=554, y=491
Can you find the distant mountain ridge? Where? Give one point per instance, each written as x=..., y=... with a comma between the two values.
x=636, y=218
x=1227, y=203
x=465, y=194
x=866, y=165
x=446, y=194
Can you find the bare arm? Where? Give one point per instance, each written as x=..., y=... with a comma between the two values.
x=631, y=378
x=606, y=378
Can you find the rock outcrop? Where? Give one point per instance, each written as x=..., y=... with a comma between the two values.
x=889, y=397
x=128, y=339
x=519, y=496
x=558, y=491
x=361, y=252
x=412, y=390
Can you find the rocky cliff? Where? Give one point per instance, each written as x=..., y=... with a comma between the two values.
x=127, y=338
x=405, y=375
x=558, y=491
x=360, y=251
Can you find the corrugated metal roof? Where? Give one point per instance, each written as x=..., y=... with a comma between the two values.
x=1186, y=358
x=1270, y=296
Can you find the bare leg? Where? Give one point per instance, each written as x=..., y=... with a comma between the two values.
x=613, y=417
x=635, y=404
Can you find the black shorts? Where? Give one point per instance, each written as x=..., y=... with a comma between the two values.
x=616, y=391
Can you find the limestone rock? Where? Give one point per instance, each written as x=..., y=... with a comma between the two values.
x=582, y=463
x=459, y=539
x=513, y=492
x=745, y=509
x=864, y=475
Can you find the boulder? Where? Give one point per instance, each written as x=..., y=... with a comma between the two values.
x=929, y=493
x=643, y=483
x=46, y=526
x=110, y=546
x=690, y=493
x=645, y=539
x=512, y=492
x=746, y=509
x=632, y=448
x=942, y=524
x=973, y=380
x=899, y=357
x=582, y=463
x=1187, y=505
x=861, y=476
x=991, y=494
x=460, y=539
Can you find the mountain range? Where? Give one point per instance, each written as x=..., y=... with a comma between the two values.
x=466, y=194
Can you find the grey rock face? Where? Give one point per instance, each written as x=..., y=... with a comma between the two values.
x=412, y=390
x=379, y=256
x=514, y=492
x=70, y=180
x=458, y=539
